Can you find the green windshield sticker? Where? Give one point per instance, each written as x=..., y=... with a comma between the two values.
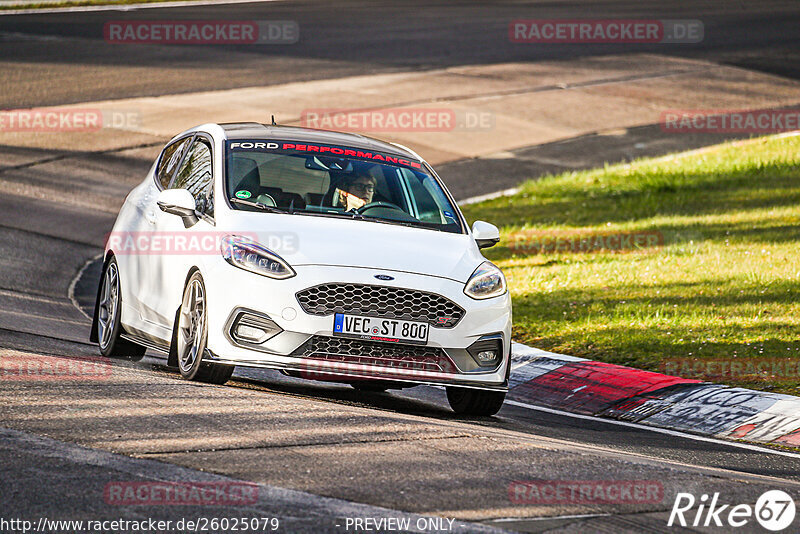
x=243, y=194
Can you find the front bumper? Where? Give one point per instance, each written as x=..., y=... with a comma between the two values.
x=231, y=290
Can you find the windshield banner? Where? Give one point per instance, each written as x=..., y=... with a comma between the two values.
x=294, y=147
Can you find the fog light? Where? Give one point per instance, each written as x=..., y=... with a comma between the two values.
x=487, y=356
x=251, y=329
x=250, y=333
x=488, y=350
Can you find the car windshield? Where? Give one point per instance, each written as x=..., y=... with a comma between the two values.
x=336, y=181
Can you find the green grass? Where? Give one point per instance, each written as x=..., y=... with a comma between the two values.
x=724, y=285
x=77, y=3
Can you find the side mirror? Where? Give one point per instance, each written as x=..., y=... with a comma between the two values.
x=178, y=202
x=486, y=235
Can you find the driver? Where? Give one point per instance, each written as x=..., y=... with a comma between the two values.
x=355, y=192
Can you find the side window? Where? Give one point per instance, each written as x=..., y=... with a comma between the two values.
x=426, y=205
x=169, y=161
x=195, y=176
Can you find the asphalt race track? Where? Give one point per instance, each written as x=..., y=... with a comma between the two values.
x=321, y=453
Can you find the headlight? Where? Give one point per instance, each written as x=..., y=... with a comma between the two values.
x=250, y=256
x=486, y=282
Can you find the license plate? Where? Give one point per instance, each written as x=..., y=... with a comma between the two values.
x=379, y=329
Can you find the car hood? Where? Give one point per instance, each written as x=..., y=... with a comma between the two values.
x=315, y=240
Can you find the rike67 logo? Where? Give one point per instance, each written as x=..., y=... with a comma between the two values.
x=774, y=511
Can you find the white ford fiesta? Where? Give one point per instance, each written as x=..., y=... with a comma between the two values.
x=326, y=255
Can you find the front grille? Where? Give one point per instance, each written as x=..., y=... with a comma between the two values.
x=373, y=354
x=381, y=301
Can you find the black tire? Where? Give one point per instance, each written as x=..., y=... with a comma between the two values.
x=466, y=401
x=191, y=334
x=109, y=314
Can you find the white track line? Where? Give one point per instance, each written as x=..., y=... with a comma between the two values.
x=128, y=7
x=71, y=290
x=488, y=196
x=655, y=429
x=668, y=157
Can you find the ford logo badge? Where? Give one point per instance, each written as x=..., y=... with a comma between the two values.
x=384, y=277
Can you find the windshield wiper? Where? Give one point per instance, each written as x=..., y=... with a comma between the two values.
x=410, y=224
x=259, y=205
x=395, y=222
x=331, y=213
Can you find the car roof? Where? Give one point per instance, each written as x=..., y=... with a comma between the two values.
x=256, y=130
